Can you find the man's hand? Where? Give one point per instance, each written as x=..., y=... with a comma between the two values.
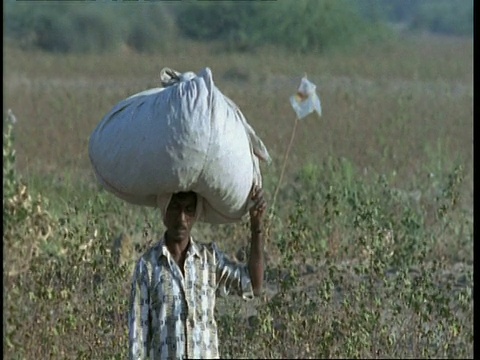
x=257, y=211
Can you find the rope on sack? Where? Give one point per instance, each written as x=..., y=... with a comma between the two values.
x=169, y=77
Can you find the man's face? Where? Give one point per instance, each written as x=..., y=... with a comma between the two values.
x=180, y=215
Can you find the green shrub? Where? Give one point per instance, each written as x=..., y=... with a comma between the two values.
x=302, y=25
x=98, y=27
x=150, y=27
x=21, y=243
x=59, y=274
x=454, y=17
x=377, y=290
x=63, y=26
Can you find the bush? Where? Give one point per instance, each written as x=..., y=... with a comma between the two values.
x=302, y=25
x=21, y=243
x=62, y=27
x=233, y=23
x=377, y=290
x=59, y=273
x=445, y=17
x=453, y=17
x=88, y=27
x=150, y=27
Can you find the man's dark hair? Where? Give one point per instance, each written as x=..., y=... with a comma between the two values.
x=184, y=194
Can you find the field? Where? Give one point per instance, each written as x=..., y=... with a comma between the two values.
x=370, y=243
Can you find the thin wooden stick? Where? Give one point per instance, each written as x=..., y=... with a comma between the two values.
x=287, y=152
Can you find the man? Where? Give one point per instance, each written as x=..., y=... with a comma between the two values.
x=172, y=302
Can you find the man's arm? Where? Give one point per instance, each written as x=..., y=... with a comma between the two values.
x=139, y=314
x=255, y=261
x=244, y=279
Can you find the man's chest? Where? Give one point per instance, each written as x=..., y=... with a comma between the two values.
x=194, y=288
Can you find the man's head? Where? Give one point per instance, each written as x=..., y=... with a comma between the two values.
x=180, y=215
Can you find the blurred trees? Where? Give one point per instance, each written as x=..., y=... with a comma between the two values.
x=453, y=17
x=82, y=27
x=300, y=25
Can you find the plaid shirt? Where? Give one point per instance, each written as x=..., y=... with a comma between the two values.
x=171, y=316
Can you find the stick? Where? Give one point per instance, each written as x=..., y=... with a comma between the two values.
x=287, y=152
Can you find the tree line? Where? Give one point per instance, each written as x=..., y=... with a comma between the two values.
x=300, y=25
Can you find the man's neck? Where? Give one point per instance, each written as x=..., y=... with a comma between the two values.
x=177, y=248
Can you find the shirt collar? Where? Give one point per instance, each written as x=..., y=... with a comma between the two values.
x=192, y=248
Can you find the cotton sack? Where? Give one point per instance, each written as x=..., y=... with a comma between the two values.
x=184, y=136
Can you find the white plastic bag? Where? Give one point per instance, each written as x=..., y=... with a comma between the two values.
x=306, y=100
x=187, y=136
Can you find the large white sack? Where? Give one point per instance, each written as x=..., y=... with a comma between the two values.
x=185, y=136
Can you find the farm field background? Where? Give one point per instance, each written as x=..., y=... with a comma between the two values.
x=369, y=250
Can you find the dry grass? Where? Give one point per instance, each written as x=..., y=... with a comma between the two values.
x=392, y=105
